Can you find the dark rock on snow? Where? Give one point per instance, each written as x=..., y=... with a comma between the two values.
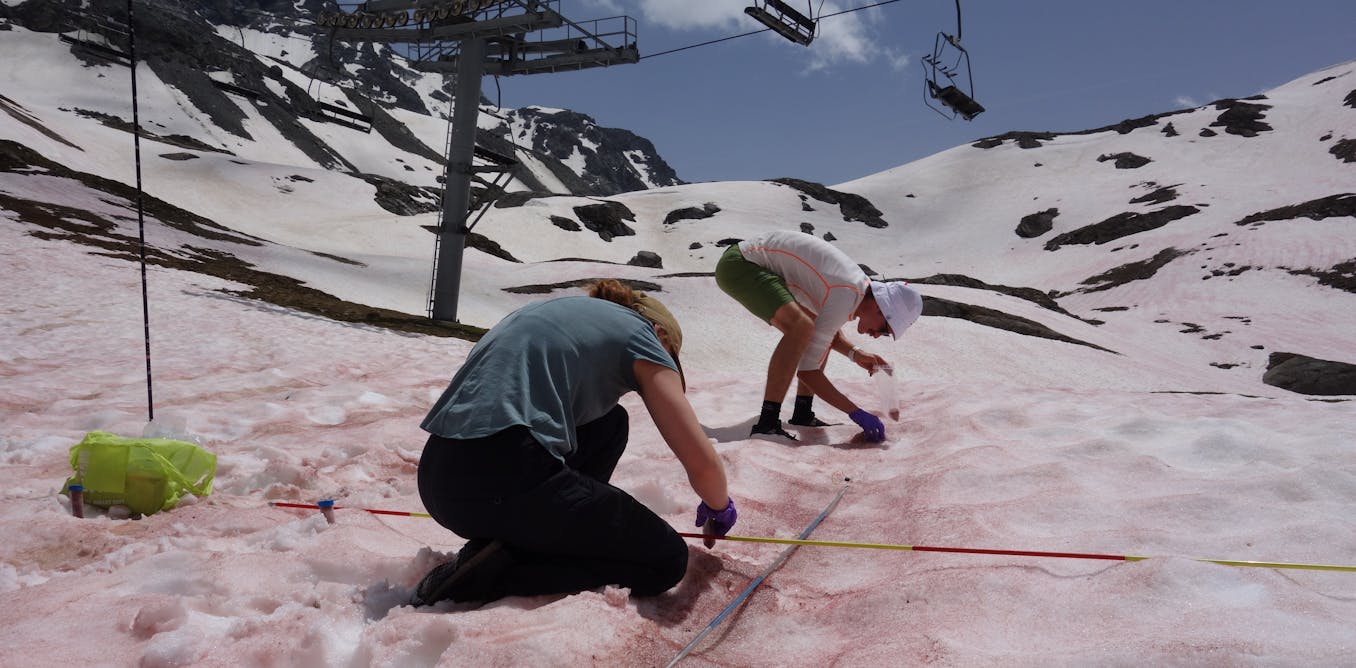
x=1308, y=375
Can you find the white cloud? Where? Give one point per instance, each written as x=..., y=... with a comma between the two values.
x=844, y=39
x=692, y=14
x=1186, y=102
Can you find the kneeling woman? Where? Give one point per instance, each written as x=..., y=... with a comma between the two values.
x=525, y=440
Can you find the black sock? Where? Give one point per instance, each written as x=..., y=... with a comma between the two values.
x=802, y=409
x=772, y=413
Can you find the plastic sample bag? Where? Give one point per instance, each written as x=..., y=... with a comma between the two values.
x=147, y=475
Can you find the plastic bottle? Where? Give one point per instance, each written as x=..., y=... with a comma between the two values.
x=77, y=493
x=886, y=392
x=327, y=509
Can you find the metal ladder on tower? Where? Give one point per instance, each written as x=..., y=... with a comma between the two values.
x=494, y=162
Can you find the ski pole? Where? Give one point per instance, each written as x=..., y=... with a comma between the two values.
x=1017, y=553
x=758, y=580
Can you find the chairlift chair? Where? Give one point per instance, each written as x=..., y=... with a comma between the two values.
x=784, y=20
x=947, y=77
x=333, y=113
x=948, y=84
x=105, y=29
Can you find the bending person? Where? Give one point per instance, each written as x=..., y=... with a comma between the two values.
x=524, y=441
x=808, y=289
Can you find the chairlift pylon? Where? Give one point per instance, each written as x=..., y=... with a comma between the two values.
x=785, y=21
x=947, y=77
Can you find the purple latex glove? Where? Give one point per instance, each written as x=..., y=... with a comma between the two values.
x=716, y=522
x=872, y=428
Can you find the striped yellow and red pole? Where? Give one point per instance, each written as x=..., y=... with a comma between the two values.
x=312, y=506
x=1018, y=553
x=912, y=548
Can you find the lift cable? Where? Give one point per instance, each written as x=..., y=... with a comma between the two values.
x=755, y=32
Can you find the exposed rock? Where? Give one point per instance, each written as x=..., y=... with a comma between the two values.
x=1030, y=294
x=1027, y=139
x=615, y=160
x=519, y=198
x=1121, y=225
x=1157, y=196
x=181, y=47
x=1133, y=271
x=565, y=223
x=807, y=228
x=1332, y=206
x=179, y=156
x=1033, y=225
x=1207, y=132
x=181, y=141
x=1341, y=275
x=401, y=198
x=828, y=236
x=1309, y=375
x=1125, y=160
x=1344, y=150
x=1169, y=131
x=605, y=218
x=851, y=206
x=485, y=244
x=1350, y=99
x=934, y=306
x=694, y=245
x=1242, y=118
x=692, y=213
x=646, y=259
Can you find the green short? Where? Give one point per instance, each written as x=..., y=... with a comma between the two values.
x=759, y=290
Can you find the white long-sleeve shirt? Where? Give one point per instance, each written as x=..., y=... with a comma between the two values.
x=820, y=277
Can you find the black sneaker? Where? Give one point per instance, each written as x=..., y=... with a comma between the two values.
x=471, y=576
x=770, y=429
x=809, y=421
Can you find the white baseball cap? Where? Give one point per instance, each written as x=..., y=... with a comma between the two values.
x=900, y=304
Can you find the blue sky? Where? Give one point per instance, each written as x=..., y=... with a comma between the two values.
x=851, y=104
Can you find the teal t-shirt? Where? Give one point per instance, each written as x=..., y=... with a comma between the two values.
x=550, y=366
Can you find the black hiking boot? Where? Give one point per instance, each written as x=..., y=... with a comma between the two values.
x=809, y=420
x=770, y=428
x=471, y=576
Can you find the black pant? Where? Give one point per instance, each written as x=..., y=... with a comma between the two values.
x=564, y=526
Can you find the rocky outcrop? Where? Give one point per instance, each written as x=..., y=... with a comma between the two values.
x=1132, y=271
x=1332, y=206
x=1121, y=225
x=1033, y=225
x=1242, y=118
x=182, y=45
x=1309, y=375
x=692, y=213
x=1125, y=160
x=614, y=160
x=606, y=219
x=852, y=207
x=980, y=315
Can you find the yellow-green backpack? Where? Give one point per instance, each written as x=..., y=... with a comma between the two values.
x=145, y=474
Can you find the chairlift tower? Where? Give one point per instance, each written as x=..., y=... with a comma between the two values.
x=472, y=38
